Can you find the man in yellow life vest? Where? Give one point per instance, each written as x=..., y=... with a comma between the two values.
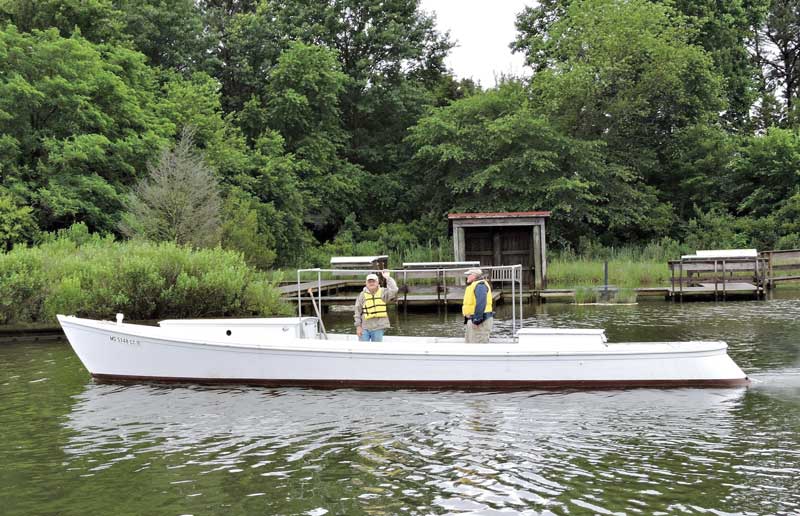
x=371, y=317
x=477, y=307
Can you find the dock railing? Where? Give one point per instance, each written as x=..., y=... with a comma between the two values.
x=782, y=265
x=432, y=270
x=515, y=272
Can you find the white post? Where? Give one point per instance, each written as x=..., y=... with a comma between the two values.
x=513, y=307
x=299, y=300
x=520, y=295
x=319, y=293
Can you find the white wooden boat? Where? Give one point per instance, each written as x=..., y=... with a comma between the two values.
x=292, y=352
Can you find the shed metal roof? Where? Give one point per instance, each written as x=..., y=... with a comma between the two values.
x=498, y=215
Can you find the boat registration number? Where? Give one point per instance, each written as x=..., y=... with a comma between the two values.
x=124, y=340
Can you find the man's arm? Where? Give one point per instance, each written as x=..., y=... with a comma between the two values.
x=390, y=292
x=480, y=303
x=358, y=309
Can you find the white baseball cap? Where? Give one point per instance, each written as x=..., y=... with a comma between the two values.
x=476, y=272
x=372, y=277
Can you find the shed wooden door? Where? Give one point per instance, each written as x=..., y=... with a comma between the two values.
x=501, y=246
x=479, y=245
x=516, y=248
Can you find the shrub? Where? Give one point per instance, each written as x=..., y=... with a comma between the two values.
x=93, y=276
x=16, y=222
x=22, y=286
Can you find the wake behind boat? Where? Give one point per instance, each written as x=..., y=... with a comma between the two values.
x=292, y=352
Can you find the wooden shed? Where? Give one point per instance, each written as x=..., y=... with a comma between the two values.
x=507, y=238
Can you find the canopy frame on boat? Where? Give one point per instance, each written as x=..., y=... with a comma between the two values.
x=515, y=272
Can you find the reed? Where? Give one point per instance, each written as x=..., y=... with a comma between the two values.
x=567, y=273
x=625, y=295
x=585, y=295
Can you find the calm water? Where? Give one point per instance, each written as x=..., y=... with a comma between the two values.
x=73, y=447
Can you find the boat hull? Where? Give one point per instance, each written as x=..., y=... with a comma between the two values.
x=478, y=385
x=126, y=352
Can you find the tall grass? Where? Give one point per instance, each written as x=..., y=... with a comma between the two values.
x=585, y=295
x=567, y=273
x=87, y=275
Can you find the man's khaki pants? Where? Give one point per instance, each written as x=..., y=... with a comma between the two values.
x=480, y=333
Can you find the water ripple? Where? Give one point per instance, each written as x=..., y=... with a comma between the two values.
x=453, y=452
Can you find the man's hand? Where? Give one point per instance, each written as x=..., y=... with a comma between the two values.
x=385, y=273
x=477, y=321
x=359, y=331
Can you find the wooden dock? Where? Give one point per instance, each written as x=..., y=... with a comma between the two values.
x=568, y=294
x=702, y=291
x=701, y=277
x=719, y=277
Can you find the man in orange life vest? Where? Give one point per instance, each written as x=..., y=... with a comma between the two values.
x=477, y=307
x=371, y=317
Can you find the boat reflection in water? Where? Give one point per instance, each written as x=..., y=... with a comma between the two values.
x=174, y=418
x=443, y=448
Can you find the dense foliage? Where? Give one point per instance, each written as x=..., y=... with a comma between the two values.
x=73, y=272
x=337, y=123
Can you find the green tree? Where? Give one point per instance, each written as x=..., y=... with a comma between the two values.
x=392, y=59
x=724, y=30
x=78, y=122
x=17, y=224
x=700, y=158
x=96, y=20
x=179, y=202
x=263, y=211
x=170, y=33
x=493, y=152
x=242, y=229
x=777, y=50
x=767, y=171
x=625, y=73
x=302, y=105
x=244, y=49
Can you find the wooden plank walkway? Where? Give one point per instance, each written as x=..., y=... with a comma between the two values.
x=719, y=291
x=327, y=285
x=738, y=288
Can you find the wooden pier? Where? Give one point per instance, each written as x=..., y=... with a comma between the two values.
x=709, y=275
x=326, y=287
x=719, y=274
